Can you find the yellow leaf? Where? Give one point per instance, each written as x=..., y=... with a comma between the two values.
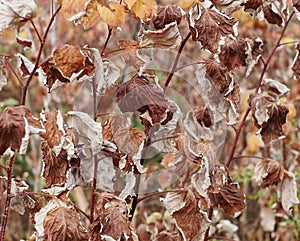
x=113, y=16
x=253, y=143
x=185, y=4
x=143, y=9
x=91, y=14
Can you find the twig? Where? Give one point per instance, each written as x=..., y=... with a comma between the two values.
x=8, y=198
x=25, y=87
x=14, y=72
x=106, y=41
x=258, y=85
x=171, y=73
x=187, y=65
x=3, y=167
x=36, y=31
x=112, y=51
x=248, y=156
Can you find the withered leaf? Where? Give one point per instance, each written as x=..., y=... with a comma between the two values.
x=168, y=37
x=3, y=79
x=268, y=116
x=55, y=166
x=53, y=124
x=268, y=172
x=90, y=15
x=271, y=16
x=143, y=9
x=228, y=197
x=138, y=94
x=114, y=15
x=111, y=219
x=62, y=223
x=72, y=9
x=253, y=5
x=166, y=15
x=16, y=124
x=184, y=208
x=25, y=66
x=14, y=13
x=287, y=192
x=228, y=6
x=296, y=4
x=203, y=115
x=210, y=27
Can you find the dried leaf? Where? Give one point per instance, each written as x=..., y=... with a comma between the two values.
x=111, y=219
x=268, y=221
x=275, y=88
x=268, y=172
x=3, y=79
x=287, y=192
x=91, y=13
x=168, y=37
x=14, y=13
x=166, y=15
x=55, y=166
x=63, y=223
x=271, y=16
x=296, y=4
x=143, y=9
x=228, y=6
x=210, y=26
x=16, y=124
x=73, y=9
x=139, y=95
x=89, y=129
x=191, y=221
x=114, y=15
x=253, y=5
x=25, y=66
x=268, y=116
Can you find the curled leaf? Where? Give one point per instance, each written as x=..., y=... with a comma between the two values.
x=268, y=116
x=228, y=6
x=268, y=172
x=14, y=13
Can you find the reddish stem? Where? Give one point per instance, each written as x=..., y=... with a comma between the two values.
x=112, y=51
x=14, y=72
x=36, y=31
x=36, y=66
x=258, y=85
x=106, y=41
x=8, y=198
x=171, y=73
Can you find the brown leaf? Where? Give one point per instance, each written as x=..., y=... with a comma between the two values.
x=130, y=53
x=253, y=5
x=184, y=208
x=271, y=16
x=167, y=235
x=72, y=9
x=63, y=224
x=24, y=42
x=296, y=4
x=16, y=123
x=203, y=115
x=268, y=172
x=210, y=27
x=55, y=167
x=143, y=9
x=166, y=15
x=114, y=15
x=228, y=197
x=69, y=60
x=227, y=6
x=91, y=14
x=168, y=37
x=138, y=94
x=111, y=219
x=268, y=116
x=233, y=53
x=53, y=125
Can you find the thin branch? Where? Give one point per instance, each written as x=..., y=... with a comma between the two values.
x=8, y=198
x=220, y=238
x=14, y=72
x=187, y=65
x=171, y=73
x=4, y=167
x=106, y=41
x=248, y=156
x=287, y=43
x=112, y=51
x=82, y=212
x=25, y=87
x=36, y=31
x=258, y=85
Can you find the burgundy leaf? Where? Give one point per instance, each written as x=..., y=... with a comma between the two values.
x=271, y=16
x=166, y=15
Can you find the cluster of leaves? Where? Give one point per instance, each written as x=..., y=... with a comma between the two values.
x=111, y=155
